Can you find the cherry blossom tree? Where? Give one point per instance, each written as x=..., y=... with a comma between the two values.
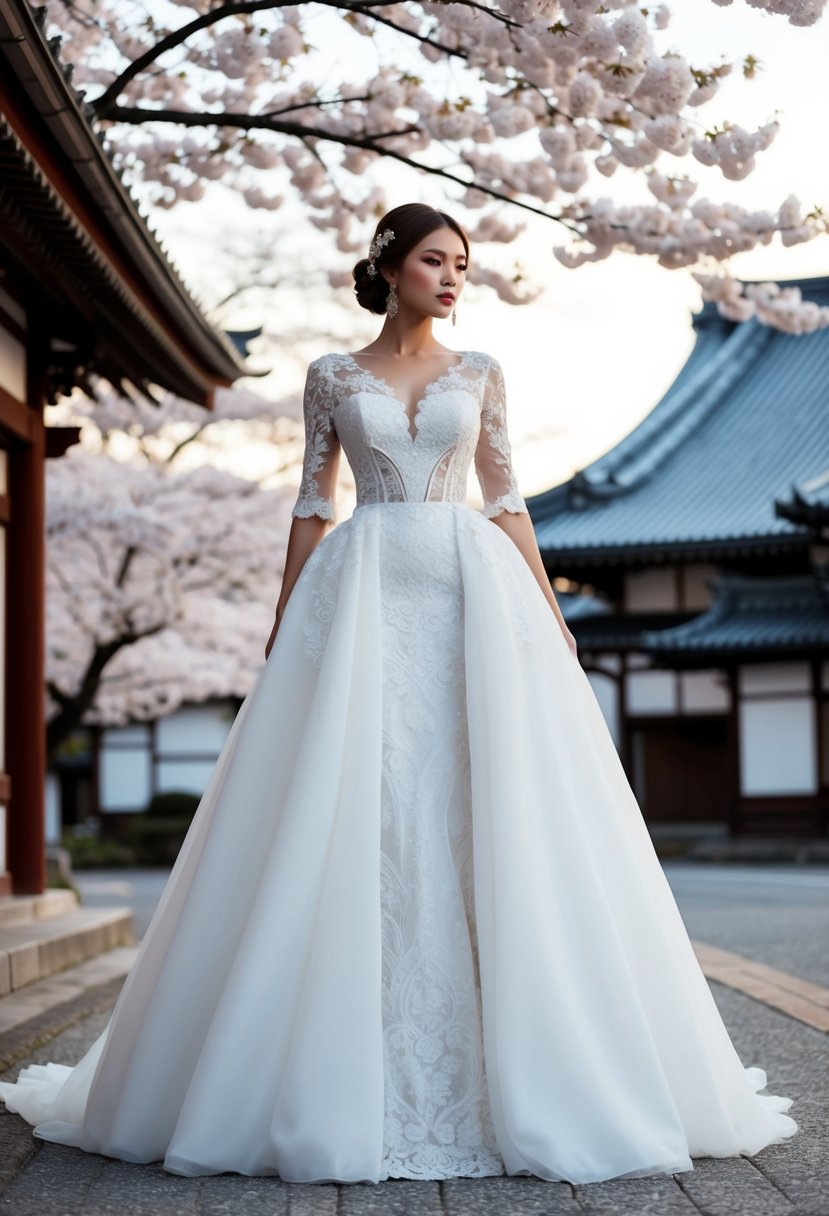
x=520, y=106
x=160, y=582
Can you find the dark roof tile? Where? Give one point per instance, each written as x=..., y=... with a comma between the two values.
x=744, y=420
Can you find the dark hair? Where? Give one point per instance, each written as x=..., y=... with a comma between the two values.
x=410, y=223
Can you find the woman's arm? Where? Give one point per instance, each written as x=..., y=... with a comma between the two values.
x=313, y=510
x=518, y=527
x=503, y=502
x=303, y=539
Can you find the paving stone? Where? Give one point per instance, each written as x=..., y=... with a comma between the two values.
x=312, y=1199
x=17, y=1145
x=55, y=1181
x=657, y=1196
x=228, y=1195
x=507, y=1196
x=140, y=1190
x=803, y=1176
x=394, y=1197
x=723, y=1187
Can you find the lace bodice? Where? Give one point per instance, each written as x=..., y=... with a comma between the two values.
x=461, y=416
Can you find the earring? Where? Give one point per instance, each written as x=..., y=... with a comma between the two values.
x=391, y=301
x=454, y=317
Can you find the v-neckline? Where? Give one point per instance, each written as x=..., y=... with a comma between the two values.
x=411, y=422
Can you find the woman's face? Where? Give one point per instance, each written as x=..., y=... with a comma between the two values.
x=433, y=274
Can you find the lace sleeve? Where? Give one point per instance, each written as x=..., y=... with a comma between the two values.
x=493, y=459
x=322, y=448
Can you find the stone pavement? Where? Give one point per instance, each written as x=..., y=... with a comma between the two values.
x=790, y=1179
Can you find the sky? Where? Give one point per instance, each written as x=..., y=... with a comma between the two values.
x=595, y=351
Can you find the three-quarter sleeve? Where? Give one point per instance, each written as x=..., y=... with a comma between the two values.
x=493, y=459
x=322, y=448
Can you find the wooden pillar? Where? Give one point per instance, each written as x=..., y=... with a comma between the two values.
x=25, y=674
x=735, y=799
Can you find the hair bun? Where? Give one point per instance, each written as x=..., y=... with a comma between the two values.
x=371, y=292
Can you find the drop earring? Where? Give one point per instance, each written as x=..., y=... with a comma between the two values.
x=454, y=317
x=391, y=301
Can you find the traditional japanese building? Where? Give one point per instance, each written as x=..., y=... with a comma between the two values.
x=84, y=289
x=697, y=548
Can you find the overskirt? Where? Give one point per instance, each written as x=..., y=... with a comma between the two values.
x=418, y=808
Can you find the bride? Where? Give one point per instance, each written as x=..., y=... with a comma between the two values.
x=417, y=928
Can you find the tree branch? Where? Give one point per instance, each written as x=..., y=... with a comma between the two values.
x=358, y=6
x=248, y=122
x=107, y=100
x=175, y=38
x=73, y=708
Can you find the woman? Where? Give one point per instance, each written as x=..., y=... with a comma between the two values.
x=417, y=928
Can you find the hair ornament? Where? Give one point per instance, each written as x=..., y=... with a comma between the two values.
x=376, y=248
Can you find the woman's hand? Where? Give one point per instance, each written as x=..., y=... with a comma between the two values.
x=271, y=639
x=303, y=538
x=518, y=527
x=570, y=640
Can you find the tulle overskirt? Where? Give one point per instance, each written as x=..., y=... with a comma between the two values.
x=249, y=1033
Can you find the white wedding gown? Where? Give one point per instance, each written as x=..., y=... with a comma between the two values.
x=417, y=928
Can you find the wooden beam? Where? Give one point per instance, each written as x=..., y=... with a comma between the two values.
x=17, y=418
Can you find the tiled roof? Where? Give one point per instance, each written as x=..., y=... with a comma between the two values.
x=807, y=503
x=752, y=616
x=745, y=419
x=69, y=225
x=621, y=631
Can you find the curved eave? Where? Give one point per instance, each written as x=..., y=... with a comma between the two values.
x=729, y=654
x=751, y=617
x=648, y=553
x=68, y=218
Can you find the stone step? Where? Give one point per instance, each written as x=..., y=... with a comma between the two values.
x=41, y=947
x=57, y=993
x=22, y=909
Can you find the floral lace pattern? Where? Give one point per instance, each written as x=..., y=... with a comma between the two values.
x=460, y=418
x=437, y=1122
x=316, y=628
x=319, y=449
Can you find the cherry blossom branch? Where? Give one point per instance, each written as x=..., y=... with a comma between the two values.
x=248, y=122
x=104, y=103
x=586, y=83
x=175, y=38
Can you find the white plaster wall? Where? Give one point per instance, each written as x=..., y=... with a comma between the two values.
x=607, y=695
x=703, y=692
x=774, y=677
x=189, y=775
x=697, y=594
x=194, y=728
x=651, y=692
x=12, y=365
x=651, y=590
x=610, y=662
x=188, y=742
x=778, y=753
x=124, y=773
